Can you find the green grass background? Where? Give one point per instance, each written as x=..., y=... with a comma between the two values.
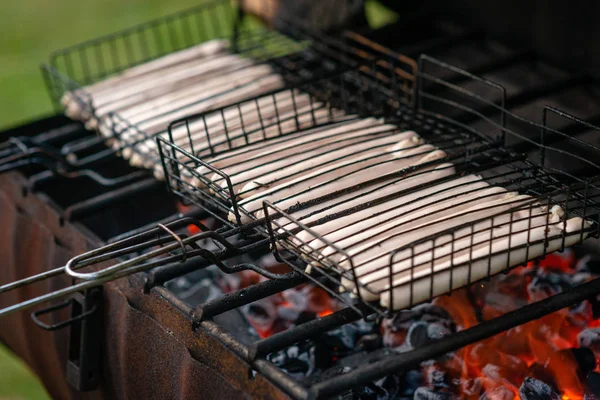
x=29, y=31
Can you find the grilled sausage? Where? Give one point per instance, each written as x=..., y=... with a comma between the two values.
x=340, y=175
x=405, y=211
x=518, y=248
x=287, y=168
x=458, y=242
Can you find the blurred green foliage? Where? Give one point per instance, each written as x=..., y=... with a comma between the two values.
x=31, y=29
x=16, y=380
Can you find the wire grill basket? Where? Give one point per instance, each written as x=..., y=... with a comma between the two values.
x=71, y=70
x=444, y=114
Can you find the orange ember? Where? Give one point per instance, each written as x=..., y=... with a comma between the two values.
x=545, y=350
x=280, y=311
x=540, y=349
x=192, y=229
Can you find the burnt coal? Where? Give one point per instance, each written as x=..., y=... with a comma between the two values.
x=590, y=338
x=424, y=393
x=547, y=283
x=387, y=388
x=498, y=393
x=262, y=315
x=435, y=330
x=417, y=335
x=297, y=360
x=343, y=342
x=595, y=303
x=586, y=361
x=589, y=263
x=593, y=385
x=471, y=387
x=413, y=379
x=370, y=342
x=435, y=377
x=541, y=373
x=417, y=327
x=534, y=389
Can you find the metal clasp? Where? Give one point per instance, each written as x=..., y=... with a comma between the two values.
x=85, y=337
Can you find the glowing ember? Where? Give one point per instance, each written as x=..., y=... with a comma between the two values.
x=545, y=349
x=192, y=229
x=553, y=357
x=281, y=311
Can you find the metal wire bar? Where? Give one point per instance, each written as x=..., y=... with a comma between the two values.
x=258, y=45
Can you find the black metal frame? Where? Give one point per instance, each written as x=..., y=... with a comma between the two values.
x=578, y=196
x=373, y=85
x=437, y=114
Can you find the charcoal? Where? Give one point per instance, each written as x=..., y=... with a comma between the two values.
x=586, y=361
x=368, y=392
x=533, y=389
x=435, y=376
x=438, y=379
x=369, y=342
x=579, y=314
x=424, y=393
x=417, y=327
x=365, y=327
x=547, y=283
x=425, y=312
x=540, y=372
x=262, y=313
x=471, y=387
x=413, y=379
x=436, y=331
x=417, y=335
x=590, y=338
x=589, y=263
x=391, y=385
x=288, y=313
x=498, y=393
x=593, y=384
x=194, y=290
x=384, y=389
x=492, y=371
x=590, y=396
x=595, y=303
x=343, y=338
x=580, y=278
x=297, y=360
x=296, y=298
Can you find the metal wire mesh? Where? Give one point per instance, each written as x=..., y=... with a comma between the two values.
x=247, y=126
x=507, y=210
x=71, y=71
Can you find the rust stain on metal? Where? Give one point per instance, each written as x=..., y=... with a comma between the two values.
x=149, y=349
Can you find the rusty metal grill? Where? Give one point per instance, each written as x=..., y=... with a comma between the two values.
x=330, y=82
